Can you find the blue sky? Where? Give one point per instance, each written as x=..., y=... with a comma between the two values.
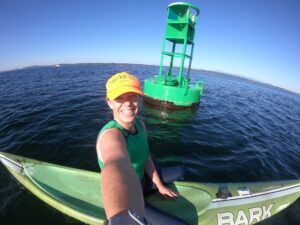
x=257, y=39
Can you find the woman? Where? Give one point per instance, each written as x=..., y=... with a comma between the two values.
x=123, y=151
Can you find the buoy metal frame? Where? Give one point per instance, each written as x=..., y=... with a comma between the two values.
x=167, y=88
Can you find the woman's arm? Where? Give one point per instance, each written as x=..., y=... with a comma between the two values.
x=154, y=176
x=120, y=185
x=151, y=171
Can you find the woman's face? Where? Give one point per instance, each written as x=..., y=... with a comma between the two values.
x=125, y=108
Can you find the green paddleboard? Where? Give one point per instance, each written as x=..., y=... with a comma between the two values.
x=77, y=193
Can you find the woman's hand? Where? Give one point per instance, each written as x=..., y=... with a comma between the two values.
x=153, y=174
x=167, y=192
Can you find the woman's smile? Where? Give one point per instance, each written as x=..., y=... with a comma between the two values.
x=125, y=108
x=127, y=112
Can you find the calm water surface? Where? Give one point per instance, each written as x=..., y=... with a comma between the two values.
x=242, y=131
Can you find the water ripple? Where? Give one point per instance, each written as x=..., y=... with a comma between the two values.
x=242, y=130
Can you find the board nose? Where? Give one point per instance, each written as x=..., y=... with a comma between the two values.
x=10, y=164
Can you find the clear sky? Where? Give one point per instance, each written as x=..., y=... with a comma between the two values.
x=257, y=39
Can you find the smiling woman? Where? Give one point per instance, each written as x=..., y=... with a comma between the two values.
x=123, y=152
x=125, y=108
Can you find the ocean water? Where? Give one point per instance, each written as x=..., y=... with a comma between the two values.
x=241, y=131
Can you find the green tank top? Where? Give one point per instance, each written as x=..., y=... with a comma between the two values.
x=137, y=145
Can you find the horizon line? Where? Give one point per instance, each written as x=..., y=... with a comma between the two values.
x=201, y=69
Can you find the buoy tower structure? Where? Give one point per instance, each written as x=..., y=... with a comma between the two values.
x=171, y=88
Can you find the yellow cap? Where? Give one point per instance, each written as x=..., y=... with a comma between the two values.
x=121, y=83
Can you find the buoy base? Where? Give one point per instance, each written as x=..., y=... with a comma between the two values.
x=172, y=96
x=160, y=104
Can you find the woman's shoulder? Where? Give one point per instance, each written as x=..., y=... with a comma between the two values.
x=110, y=124
x=110, y=135
x=112, y=128
x=108, y=140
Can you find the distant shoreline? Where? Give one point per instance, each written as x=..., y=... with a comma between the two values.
x=211, y=72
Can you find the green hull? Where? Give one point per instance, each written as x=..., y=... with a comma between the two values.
x=181, y=96
x=77, y=193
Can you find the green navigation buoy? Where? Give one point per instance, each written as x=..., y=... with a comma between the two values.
x=172, y=88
